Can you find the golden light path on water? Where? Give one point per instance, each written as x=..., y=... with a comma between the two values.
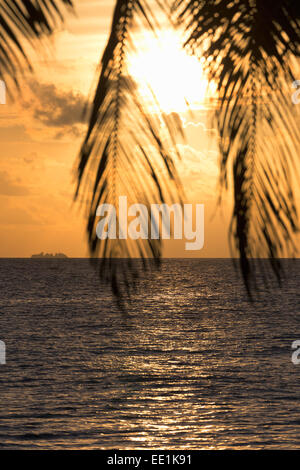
x=193, y=365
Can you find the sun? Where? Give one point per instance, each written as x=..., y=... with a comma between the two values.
x=162, y=67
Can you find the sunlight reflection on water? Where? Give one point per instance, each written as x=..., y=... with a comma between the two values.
x=194, y=365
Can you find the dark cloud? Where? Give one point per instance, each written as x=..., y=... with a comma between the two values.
x=74, y=131
x=56, y=108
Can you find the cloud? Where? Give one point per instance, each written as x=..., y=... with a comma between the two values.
x=199, y=173
x=8, y=187
x=199, y=130
x=56, y=108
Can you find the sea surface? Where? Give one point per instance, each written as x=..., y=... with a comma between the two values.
x=192, y=365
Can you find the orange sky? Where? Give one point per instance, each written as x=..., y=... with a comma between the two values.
x=40, y=136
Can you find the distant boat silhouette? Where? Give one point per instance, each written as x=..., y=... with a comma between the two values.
x=49, y=255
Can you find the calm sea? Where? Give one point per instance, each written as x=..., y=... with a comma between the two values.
x=193, y=365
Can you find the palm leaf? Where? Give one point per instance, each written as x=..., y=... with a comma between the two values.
x=125, y=153
x=249, y=48
x=21, y=22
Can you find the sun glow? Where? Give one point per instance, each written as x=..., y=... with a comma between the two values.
x=162, y=67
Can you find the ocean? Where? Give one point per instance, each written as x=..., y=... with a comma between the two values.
x=192, y=365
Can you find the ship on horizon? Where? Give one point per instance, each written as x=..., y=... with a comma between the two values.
x=49, y=255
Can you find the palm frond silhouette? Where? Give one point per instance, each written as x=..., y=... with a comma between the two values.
x=249, y=47
x=125, y=152
x=22, y=22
